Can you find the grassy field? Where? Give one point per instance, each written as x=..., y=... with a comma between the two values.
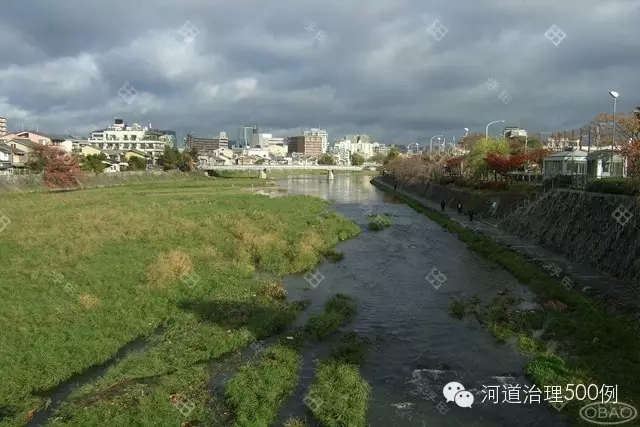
x=86, y=272
x=571, y=339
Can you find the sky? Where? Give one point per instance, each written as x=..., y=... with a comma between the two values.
x=401, y=71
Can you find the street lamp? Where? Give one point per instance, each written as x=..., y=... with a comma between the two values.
x=486, y=132
x=466, y=132
x=431, y=142
x=615, y=96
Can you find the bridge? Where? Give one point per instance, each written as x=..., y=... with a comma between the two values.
x=258, y=168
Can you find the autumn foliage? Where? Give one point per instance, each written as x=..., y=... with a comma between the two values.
x=504, y=164
x=60, y=169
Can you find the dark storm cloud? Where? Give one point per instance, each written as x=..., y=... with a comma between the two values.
x=379, y=70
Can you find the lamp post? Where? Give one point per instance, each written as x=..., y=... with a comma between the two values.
x=466, y=132
x=615, y=96
x=486, y=132
x=431, y=142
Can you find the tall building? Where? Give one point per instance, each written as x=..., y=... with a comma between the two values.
x=3, y=126
x=246, y=136
x=264, y=140
x=321, y=133
x=305, y=144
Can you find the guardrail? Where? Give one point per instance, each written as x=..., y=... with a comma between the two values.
x=278, y=167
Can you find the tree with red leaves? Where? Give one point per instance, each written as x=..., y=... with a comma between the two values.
x=453, y=165
x=59, y=169
x=535, y=156
x=504, y=164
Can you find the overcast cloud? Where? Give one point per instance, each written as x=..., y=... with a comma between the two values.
x=379, y=71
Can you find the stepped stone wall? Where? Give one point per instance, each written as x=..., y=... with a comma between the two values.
x=599, y=230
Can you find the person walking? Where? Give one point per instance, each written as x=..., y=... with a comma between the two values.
x=460, y=207
x=442, y=205
x=471, y=212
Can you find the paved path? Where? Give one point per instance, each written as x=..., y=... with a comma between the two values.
x=617, y=295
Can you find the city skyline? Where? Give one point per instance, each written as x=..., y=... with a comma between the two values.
x=412, y=70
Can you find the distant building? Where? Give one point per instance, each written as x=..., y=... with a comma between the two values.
x=380, y=148
x=3, y=126
x=170, y=138
x=362, y=138
x=206, y=146
x=121, y=137
x=264, y=140
x=322, y=134
x=245, y=136
x=305, y=144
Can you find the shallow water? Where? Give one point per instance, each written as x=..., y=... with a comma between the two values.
x=420, y=346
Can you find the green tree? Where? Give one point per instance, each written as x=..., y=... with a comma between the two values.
x=482, y=148
x=357, y=159
x=393, y=154
x=377, y=158
x=137, y=163
x=93, y=163
x=326, y=159
x=170, y=158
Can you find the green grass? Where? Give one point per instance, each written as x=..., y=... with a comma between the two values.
x=457, y=308
x=378, y=222
x=339, y=310
x=86, y=272
x=340, y=396
x=595, y=346
x=257, y=391
x=333, y=255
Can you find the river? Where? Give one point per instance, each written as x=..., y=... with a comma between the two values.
x=419, y=347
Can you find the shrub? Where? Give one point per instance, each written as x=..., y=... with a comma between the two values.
x=624, y=186
x=377, y=222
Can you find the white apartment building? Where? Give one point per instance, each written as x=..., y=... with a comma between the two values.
x=321, y=133
x=3, y=126
x=120, y=136
x=264, y=140
x=380, y=148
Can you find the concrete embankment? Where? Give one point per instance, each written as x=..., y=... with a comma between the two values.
x=480, y=203
x=600, y=230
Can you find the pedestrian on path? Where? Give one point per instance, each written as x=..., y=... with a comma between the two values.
x=460, y=207
x=442, y=205
x=395, y=185
x=471, y=212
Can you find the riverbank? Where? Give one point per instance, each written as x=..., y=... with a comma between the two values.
x=162, y=275
x=570, y=339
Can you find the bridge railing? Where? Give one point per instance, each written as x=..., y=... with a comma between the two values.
x=275, y=167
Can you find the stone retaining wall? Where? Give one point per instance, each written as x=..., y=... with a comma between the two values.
x=481, y=203
x=582, y=227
